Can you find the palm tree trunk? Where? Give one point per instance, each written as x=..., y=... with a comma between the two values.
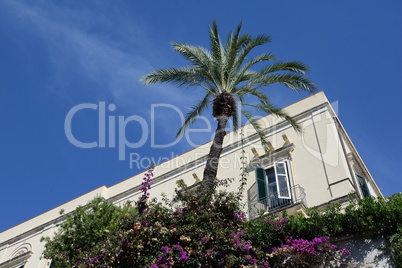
x=211, y=168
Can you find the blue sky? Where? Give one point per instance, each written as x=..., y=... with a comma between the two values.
x=55, y=55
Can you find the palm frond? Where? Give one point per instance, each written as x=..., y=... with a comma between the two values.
x=187, y=76
x=292, y=66
x=195, y=111
x=269, y=109
x=243, y=75
x=295, y=82
x=218, y=56
x=261, y=96
x=258, y=129
x=216, y=45
x=198, y=56
x=232, y=49
x=248, y=43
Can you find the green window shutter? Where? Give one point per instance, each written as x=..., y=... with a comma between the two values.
x=262, y=189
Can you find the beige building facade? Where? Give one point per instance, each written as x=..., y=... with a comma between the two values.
x=315, y=167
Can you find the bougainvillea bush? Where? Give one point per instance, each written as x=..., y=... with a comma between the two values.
x=194, y=232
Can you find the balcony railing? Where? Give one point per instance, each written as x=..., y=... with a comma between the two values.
x=274, y=202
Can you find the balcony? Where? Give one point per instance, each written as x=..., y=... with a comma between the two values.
x=274, y=204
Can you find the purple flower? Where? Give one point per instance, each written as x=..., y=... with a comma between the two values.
x=146, y=184
x=183, y=256
x=251, y=259
x=277, y=224
x=177, y=213
x=344, y=251
x=166, y=250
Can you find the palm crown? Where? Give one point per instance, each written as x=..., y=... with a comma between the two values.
x=224, y=72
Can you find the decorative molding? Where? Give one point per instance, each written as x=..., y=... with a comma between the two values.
x=196, y=178
x=270, y=147
x=285, y=138
x=26, y=247
x=255, y=153
x=351, y=158
x=17, y=260
x=36, y=230
x=285, y=152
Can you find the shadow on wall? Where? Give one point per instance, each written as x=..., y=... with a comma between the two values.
x=254, y=207
x=366, y=252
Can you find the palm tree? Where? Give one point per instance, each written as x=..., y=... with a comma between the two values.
x=224, y=72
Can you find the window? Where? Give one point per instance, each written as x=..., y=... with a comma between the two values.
x=363, y=186
x=273, y=186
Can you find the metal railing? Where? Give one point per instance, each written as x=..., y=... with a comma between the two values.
x=274, y=202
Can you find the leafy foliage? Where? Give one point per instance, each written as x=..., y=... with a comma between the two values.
x=188, y=232
x=378, y=217
x=83, y=230
x=395, y=248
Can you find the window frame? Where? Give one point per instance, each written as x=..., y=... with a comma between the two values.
x=262, y=183
x=287, y=180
